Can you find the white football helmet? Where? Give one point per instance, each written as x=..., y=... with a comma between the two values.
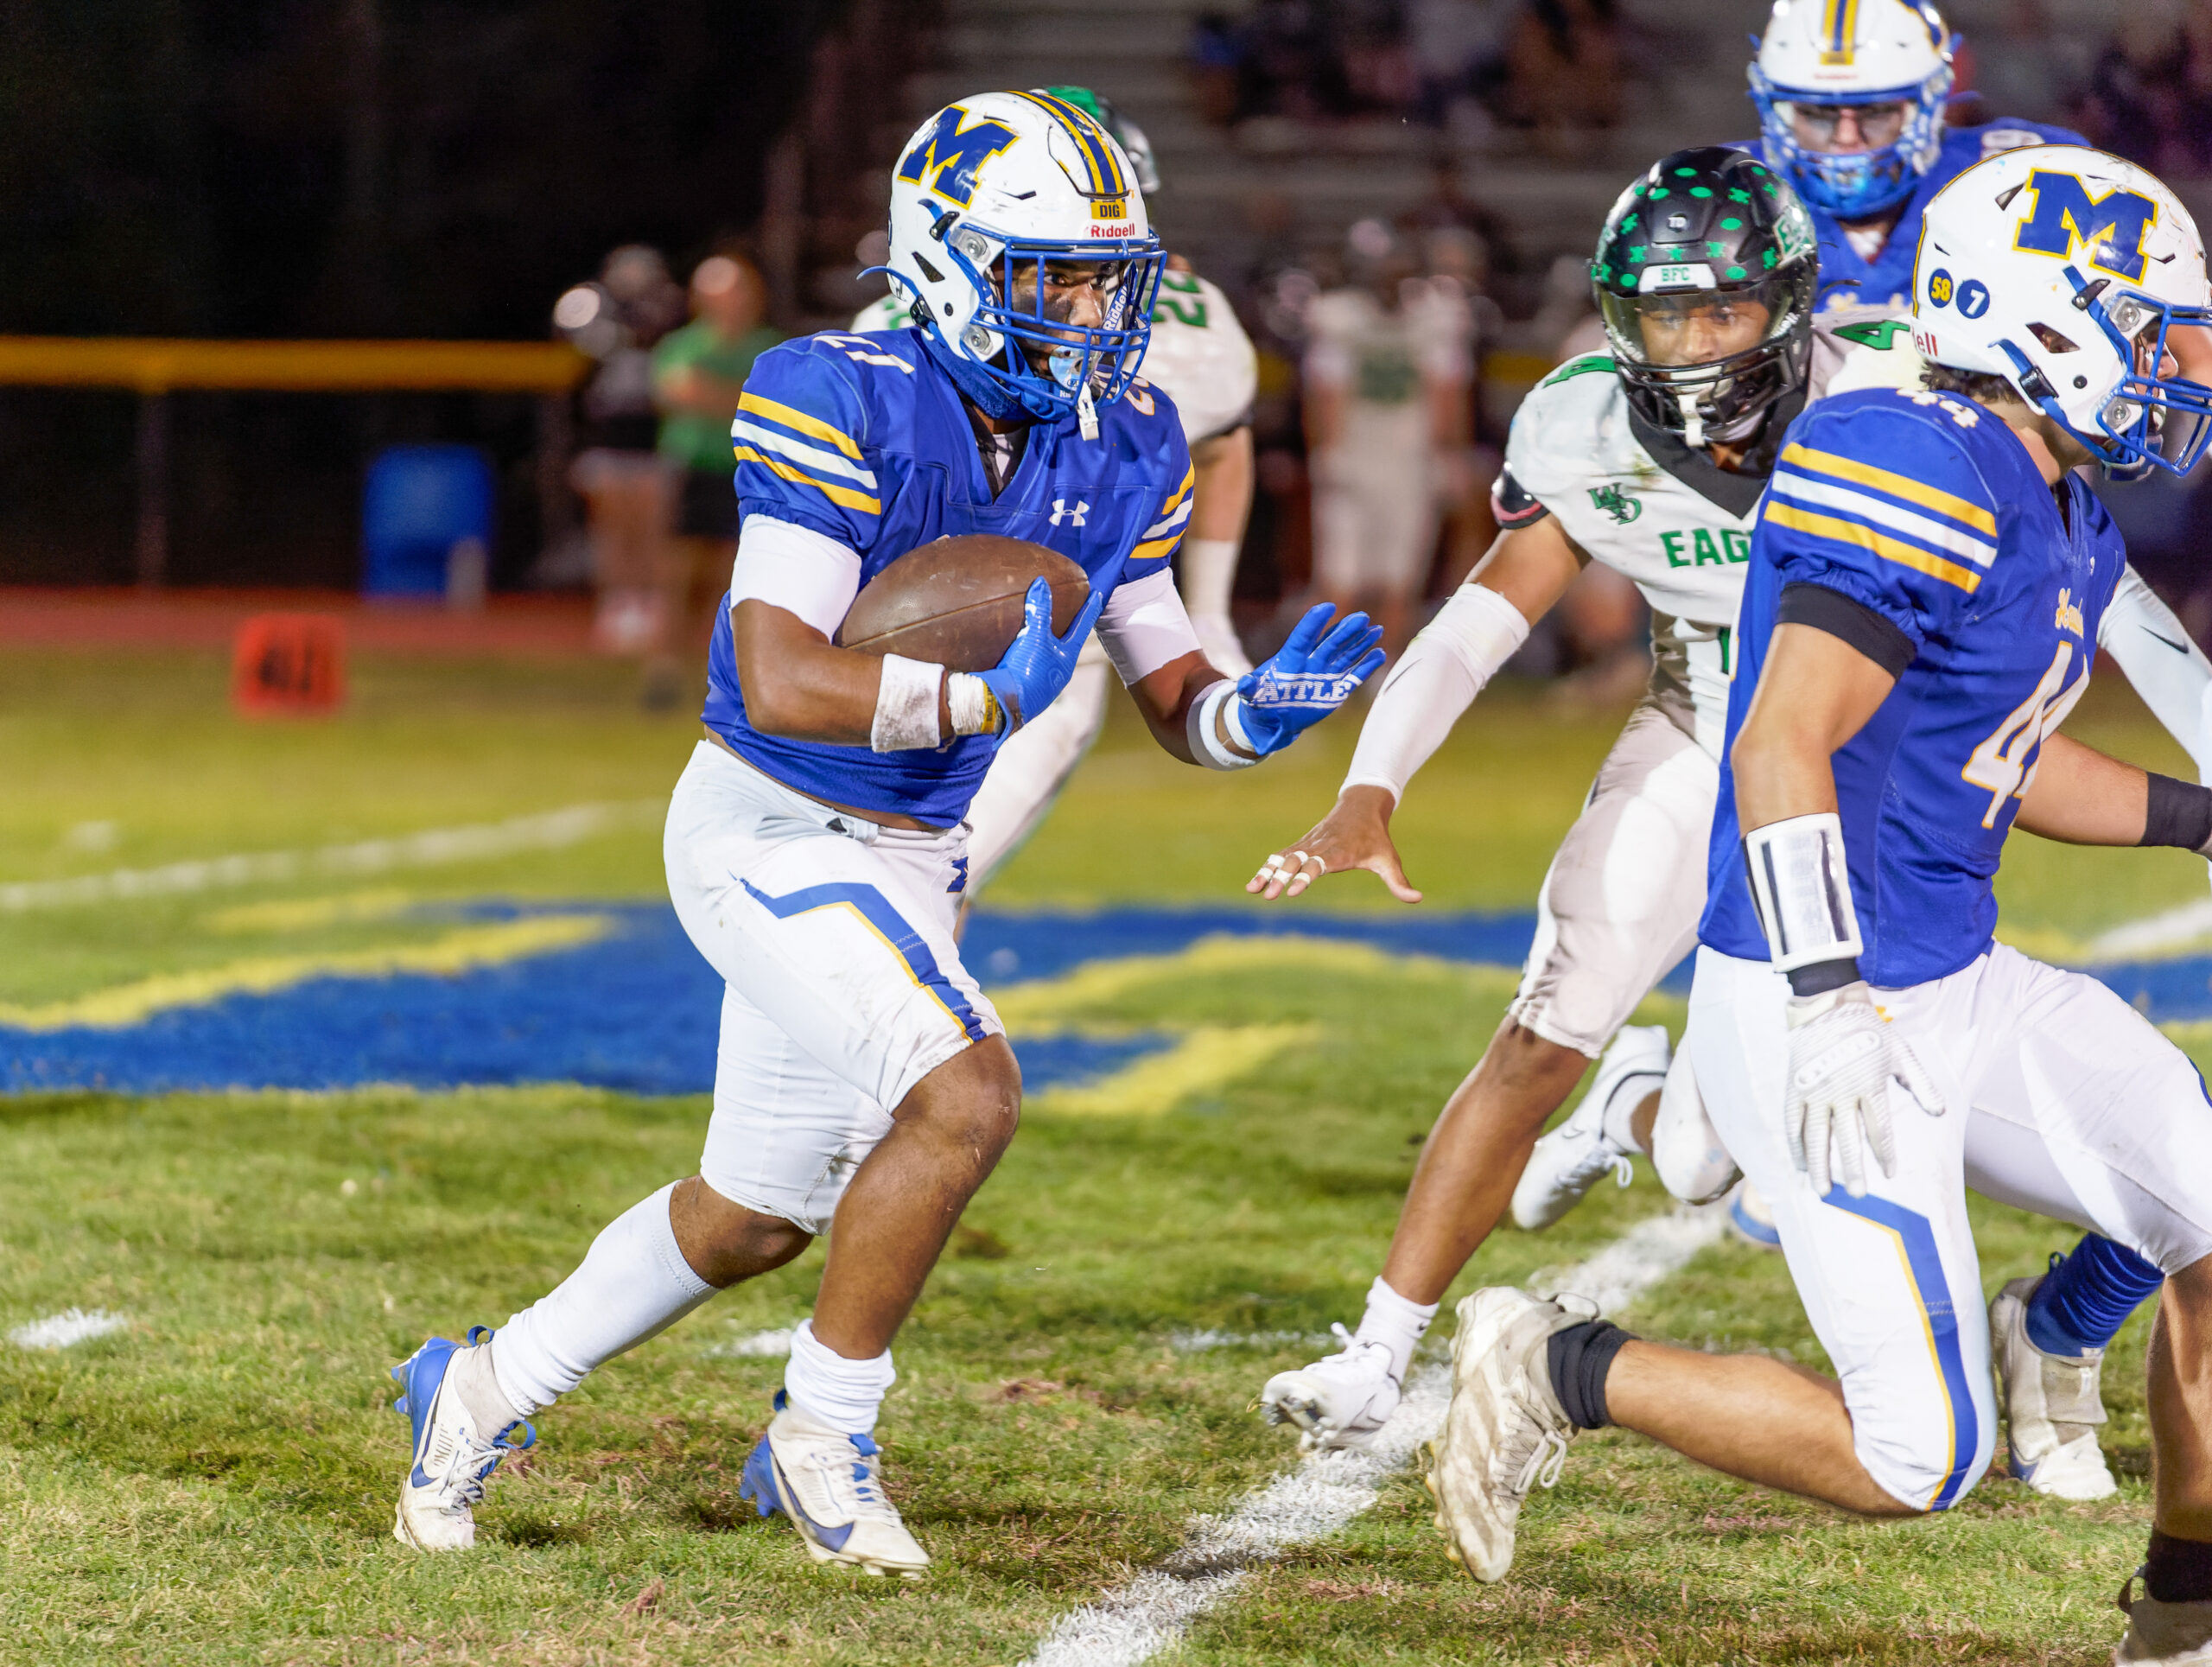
x=2062, y=270
x=1818, y=53
x=987, y=193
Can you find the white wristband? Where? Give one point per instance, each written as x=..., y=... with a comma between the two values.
x=1206, y=745
x=974, y=709
x=905, y=705
x=1801, y=886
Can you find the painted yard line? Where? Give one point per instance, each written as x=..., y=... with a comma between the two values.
x=1136, y=1621
x=65, y=1329
x=756, y=1346
x=548, y=830
x=2171, y=929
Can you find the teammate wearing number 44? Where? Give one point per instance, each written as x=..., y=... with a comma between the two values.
x=1927, y=583
x=816, y=848
x=1653, y=463
x=1199, y=356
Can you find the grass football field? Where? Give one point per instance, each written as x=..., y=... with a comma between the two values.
x=214, y=1481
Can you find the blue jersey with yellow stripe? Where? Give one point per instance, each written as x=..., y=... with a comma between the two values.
x=1851, y=279
x=1916, y=527
x=863, y=439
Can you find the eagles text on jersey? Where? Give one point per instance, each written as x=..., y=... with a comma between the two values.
x=862, y=439
x=1653, y=510
x=1916, y=527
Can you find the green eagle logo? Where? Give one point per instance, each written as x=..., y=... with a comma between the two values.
x=1616, y=503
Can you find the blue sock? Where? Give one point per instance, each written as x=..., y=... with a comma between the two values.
x=2086, y=1297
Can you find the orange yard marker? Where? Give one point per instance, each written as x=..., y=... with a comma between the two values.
x=289, y=665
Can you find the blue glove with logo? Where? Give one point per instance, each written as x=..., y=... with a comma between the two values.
x=1307, y=678
x=1037, y=664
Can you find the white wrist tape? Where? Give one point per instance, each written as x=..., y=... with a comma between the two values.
x=1436, y=679
x=1206, y=745
x=974, y=709
x=905, y=705
x=1801, y=886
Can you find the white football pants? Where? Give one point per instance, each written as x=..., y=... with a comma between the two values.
x=2060, y=1098
x=845, y=986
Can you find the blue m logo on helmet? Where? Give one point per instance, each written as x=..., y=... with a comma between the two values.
x=945, y=160
x=2112, y=226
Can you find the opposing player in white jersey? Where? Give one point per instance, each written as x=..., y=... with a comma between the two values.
x=1653, y=462
x=1201, y=358
x=816, y=844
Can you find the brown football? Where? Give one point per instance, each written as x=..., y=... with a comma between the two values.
x=958, y=603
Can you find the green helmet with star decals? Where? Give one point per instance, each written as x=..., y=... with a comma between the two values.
x=1707, y=275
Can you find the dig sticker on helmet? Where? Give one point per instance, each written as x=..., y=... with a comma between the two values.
x=1974, y=298
x=1939, y=287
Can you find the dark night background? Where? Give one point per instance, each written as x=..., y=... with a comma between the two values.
x=340, y=167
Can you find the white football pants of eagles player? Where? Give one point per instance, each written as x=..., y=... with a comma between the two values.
x=1202, y=359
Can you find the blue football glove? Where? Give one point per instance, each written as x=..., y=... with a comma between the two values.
x=1037, y=664
x=1309, y=676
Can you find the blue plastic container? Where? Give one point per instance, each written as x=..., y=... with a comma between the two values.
x=421, y=501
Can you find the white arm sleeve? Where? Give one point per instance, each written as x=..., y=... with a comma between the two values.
x=2165, y=668
x=1143, y=626
x=1441, y=674
x=796, y=568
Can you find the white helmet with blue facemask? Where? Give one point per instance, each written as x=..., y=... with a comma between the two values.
x=1819, y=57
x=1002, y=206
x=2069, y=273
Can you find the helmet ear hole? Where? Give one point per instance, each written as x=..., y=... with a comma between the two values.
x=2052, y=341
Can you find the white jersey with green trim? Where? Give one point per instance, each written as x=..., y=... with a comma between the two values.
x=1199, y=355
x=1659, y=513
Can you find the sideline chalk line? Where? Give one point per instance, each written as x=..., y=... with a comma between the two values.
x=546, y=831
x=67, y=1329
x=1137, y=1620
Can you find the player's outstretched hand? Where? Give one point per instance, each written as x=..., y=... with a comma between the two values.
x=1844, y=1056
x=1037, y=664
x=1354, y=834
x=1307, y=678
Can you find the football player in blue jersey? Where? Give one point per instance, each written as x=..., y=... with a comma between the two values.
x=815, y=846
x=1851, y=97
x=1927, y=580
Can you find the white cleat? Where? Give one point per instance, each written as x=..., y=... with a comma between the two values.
x=1505, y=1430
x=2053, y=1405
x=1341, y=1401
x=2178, y=1634
x=830, y=1485
x=453, y=1459
x=1573, y=1157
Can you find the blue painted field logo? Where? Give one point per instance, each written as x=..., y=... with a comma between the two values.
x=2113, y=227
x=954, y=147
x=1619, y=505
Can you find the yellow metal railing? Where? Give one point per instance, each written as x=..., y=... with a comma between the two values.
x=155, y=365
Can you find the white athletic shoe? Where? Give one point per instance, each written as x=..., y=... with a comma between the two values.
x=1568, y=1161
x=2178, y=1634
x=453, y=1458
x=1505, y=1429
x=1751, y=1221
x=830, y=1485
x=1341, y=1401
x=2053, y=1405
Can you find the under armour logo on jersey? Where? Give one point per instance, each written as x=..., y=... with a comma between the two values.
x=1076, y=517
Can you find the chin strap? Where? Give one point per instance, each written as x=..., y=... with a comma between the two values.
x=1086, y=413
x=1693, y=424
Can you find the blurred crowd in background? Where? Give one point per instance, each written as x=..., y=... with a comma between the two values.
x=724, y=198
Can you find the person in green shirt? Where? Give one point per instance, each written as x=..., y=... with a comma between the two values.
x=698, y=373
